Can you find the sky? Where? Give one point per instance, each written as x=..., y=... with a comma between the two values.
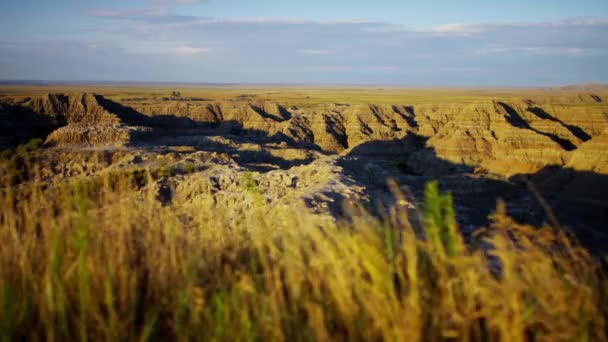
x=379, y=42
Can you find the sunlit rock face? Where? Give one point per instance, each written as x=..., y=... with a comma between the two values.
x=323, y=155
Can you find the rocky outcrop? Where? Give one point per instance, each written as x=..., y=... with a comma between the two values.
x=584, y=177
x=83, y=120
x=370, y=122
x=524, y=134
x=506, y=137
x=321, y=186
x=79, y=135
x=591, y=156
x=252, y=154
x=85, y=109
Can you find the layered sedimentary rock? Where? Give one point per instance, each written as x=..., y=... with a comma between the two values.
x=321, y=155
x=584, y=177
x=79, y=135
x=592, y=155
x=83, y=120
x=505, y=137
x=86, y=109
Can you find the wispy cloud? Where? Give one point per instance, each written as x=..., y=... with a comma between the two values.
x=285, y=21
x=540, y=51
x=462, y=28
x=166, y=15
x=317, y=52
x=177, y=2
x=324, y=69
x=158, y=41
x=155, y=8
x=166, y=49
x=128, y=12
x=189, y=51
x=458, y=28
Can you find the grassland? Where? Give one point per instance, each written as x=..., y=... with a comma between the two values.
x=96, y=259
x=300, y=95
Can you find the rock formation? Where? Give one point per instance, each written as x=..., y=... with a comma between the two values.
x=325, y=154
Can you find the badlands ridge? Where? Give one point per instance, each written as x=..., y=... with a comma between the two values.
x=322, y=155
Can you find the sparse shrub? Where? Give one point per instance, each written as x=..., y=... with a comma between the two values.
x=168, y=171
x=249, y=184
x=140, y=178
x=160, y=173
x=13, y=168
x=21, y=150
x=31, y=145
x=173, y=170
x=189, y=167
x=7, y=154
x=34, y=144
x=136, y=178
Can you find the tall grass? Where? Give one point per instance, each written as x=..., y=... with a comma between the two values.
x=100, y=260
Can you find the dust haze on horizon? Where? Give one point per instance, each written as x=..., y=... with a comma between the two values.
x=390, y=42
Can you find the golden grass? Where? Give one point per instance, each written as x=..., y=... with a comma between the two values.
x=101, y=260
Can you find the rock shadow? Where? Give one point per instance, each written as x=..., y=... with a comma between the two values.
x=578, y=199
x=284, y=114
x=250, y=148
x=516, y=120
x=407, y=114
x=19, y=124
x=575, y=130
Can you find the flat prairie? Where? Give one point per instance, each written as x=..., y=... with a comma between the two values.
x=310, y=95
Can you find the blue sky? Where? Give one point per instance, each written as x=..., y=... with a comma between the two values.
x=389, y=42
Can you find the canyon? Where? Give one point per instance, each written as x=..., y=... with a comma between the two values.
x=544, y=153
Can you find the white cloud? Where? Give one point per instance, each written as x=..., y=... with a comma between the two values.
x=462, y=28
x=156, y=8
x=495, y=50
x=317, y=52
x=166, y=48
x=539, y=51
x=177, y=2
x=323, y=69
x=577, y=51
x=458, y=28
x=307, y=48
x=189, y=51
x=275, y=21
x=128, y=12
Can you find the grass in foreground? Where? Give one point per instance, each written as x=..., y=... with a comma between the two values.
x=106, y=262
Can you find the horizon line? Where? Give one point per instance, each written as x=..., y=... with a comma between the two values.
x=19, y=82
